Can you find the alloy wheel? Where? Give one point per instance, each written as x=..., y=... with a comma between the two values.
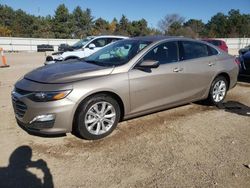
x=100, y=118
x=219, y=91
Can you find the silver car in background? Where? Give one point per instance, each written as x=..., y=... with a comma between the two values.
x=126, y=79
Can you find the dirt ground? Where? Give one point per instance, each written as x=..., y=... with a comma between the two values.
x=188, y=146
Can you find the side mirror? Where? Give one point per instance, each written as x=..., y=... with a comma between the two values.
x=92, y=46
x=148, y=64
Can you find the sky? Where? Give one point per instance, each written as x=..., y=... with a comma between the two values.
x=151, y=10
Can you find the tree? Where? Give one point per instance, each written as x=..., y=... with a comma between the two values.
x=217, y=26
x=44, y=27
x=197, y=26
x=112, y=26
x=139, y=28
x=4, y=31
x=60, y=22
x=89, y=21
x=123, y=26
x=165, y=23
x=238, y=24
x=82, y=22
x=23, y=24
x=6, y=15
x=101, y=26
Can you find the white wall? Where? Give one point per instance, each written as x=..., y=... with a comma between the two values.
x=30, y=44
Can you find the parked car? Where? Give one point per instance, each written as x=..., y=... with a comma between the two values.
x=126, y=79
x=244, y=50
x=219, y=43
x=245, y=63
x=45, y=47
x=83, y=48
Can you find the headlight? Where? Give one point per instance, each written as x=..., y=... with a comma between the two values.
x=48, y=96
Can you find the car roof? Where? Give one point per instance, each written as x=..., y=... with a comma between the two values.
x=161, y=38
x=110, y=36
x=152, y=38
x=213, y=40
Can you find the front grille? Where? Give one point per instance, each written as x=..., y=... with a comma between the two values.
x=19, y=107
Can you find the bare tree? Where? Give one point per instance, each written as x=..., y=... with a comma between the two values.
x=165, y=23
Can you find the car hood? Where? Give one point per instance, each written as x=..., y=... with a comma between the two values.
x=65, y=72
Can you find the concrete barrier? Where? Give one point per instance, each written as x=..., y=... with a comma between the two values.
x=30, y=44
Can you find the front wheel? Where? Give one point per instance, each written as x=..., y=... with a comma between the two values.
x=218, y=91
x=97, y=117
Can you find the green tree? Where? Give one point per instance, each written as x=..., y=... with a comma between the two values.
x=23, y=24
x=44, y=27
x=101, y=26
x=197, y=26
x=60, y=22
x=238, y=24
x=217, y=26
x=82, y=22
x=123, y=27
x=139, y=28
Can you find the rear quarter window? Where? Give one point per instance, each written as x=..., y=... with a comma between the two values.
x=215, y=42
x=211, y=51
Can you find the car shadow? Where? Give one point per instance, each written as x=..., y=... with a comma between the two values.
x=235, y=107
x=245, y=79
x=18, y=174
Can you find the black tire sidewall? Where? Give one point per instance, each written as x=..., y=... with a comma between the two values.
x=211, y=99
x=84, y=107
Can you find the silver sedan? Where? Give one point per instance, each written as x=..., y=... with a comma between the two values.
x=125, y=79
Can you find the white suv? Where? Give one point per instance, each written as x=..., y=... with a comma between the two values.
x=83, y=48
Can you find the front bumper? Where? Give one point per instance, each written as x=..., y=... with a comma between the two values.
x=26, y=111
x=49, y=62
x=52, y=59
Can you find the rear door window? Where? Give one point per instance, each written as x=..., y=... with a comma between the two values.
x=192, y=50
x=100, y=42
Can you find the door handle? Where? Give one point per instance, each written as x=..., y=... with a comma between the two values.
x=211, y=64
x=177, y=69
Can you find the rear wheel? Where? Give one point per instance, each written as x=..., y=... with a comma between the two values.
x=97, y=117
x=218, y=91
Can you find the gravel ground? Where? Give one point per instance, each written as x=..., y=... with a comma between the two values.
x=188, y=146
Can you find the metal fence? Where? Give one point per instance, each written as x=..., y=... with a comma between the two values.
x=30, y=44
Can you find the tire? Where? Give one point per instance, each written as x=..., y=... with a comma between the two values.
x=91, y=123
x=218, y=91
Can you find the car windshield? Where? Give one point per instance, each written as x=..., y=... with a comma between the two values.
x=82, y=42
x=117, y=53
